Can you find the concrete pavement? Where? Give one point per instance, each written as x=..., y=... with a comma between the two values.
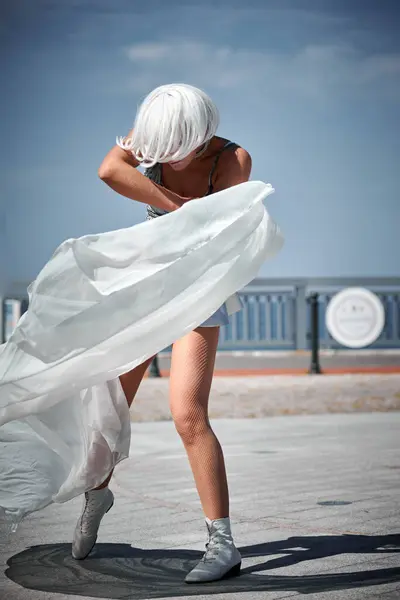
x=260, y=396
x=314, y=506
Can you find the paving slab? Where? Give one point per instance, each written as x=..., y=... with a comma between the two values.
x=314, y=508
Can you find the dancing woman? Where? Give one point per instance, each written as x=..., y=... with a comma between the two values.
x=174, y=139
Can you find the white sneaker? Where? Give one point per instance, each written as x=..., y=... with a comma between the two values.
x=222, y=559
x=96, y=504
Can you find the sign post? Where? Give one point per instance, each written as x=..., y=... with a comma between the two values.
x=315, y=367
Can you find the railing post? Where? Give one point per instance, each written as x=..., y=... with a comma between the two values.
x=300, y=318
x=315, y=367
x=154, y=370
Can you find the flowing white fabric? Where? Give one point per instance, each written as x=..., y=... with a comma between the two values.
x=102, y=305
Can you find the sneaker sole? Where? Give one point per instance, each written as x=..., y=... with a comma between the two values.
x=86, y=555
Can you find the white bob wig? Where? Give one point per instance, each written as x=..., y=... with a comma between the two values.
x=172, y=121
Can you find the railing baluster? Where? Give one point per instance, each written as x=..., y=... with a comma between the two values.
x=245, y=320
x=268, y=317
x=396, y=317
x=256, y=318
x=279, y=318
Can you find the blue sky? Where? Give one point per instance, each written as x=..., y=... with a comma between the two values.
x=311, y=89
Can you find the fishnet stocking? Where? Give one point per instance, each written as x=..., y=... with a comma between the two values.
x=192, y=366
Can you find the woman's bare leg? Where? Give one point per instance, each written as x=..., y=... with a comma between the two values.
x=193, y=359
x=192, y=366
x=130, y=383
x=97, y=502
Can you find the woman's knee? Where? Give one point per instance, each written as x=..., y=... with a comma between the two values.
x=191, y=425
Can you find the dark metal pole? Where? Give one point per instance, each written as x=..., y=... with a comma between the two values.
x=154, y=370
x=315, y=367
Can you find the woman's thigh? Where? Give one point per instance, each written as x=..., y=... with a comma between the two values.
x=131, y=380
x=192, y=368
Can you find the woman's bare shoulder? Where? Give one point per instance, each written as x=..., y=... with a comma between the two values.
x=234, y=167
x=117, y=154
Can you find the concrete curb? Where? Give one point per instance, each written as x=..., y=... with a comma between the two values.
x=377, y=370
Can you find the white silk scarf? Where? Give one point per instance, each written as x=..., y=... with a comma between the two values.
x=102, y=305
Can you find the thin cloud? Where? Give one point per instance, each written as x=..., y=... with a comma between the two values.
x=148, y=52
x=314, y=72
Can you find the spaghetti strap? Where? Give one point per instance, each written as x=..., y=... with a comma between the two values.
x=210, y=184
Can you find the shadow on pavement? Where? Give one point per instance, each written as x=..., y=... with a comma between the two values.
x=117, y=571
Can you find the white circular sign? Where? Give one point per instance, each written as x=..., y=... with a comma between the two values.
x=355, y=317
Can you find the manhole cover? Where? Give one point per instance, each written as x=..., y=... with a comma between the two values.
x=334, y=503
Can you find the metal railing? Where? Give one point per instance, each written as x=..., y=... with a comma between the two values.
x=276, y=313
x=268, y=320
